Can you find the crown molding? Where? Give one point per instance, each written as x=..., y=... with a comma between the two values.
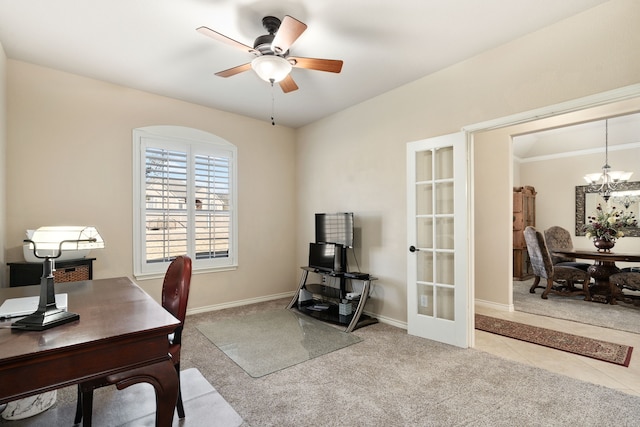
x=576, y=153
x=603, y=98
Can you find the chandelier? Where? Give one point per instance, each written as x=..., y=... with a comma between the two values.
x=607, y=181
x=626, y=198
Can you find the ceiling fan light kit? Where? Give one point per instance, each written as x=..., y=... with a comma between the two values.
x=271, y=68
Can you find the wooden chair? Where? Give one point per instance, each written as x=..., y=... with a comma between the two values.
x=175, y=295
x=560, y=238
x=564, y=276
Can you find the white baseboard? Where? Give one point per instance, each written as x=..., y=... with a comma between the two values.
x=381, y=319
x=240, y=303
x=494, y=306
x=388, y=321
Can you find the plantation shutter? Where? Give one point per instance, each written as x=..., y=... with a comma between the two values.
x=212, y=202
x=166, y=215
x=188, y=204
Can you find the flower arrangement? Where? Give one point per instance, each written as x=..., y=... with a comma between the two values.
x=609, y=225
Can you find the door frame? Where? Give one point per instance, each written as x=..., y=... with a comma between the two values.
x=602, y=99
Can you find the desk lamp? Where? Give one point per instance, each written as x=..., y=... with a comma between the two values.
x=53, y=241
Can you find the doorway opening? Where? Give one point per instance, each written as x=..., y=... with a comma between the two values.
x=493, y=180
x=554, y=162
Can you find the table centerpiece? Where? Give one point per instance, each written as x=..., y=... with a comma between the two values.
x=607, y=225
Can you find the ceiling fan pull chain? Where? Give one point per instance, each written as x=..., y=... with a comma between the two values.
x=273, y=123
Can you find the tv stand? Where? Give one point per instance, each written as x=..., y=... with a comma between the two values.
x=331, y=304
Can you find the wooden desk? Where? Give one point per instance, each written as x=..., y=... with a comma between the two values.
x=603, y=267
x=121, y=335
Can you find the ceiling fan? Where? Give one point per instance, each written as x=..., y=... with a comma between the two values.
x=273, y=63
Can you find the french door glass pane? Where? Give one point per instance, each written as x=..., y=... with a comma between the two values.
x=425, y=299
x=444, y=233
x=444, y=197
x=424, y=266
x=424, y=226
x=424, y=199
x=424, y=161
x=445, y=268
x=444, y=163
x=445, y=303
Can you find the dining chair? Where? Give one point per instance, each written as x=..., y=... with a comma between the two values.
x=560, y=238
x=560, y=278
x=175, y=295
x=627, y=279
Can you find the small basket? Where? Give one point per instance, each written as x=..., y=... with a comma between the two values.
x=71, y=274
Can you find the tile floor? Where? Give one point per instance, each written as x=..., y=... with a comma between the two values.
x=624, y=379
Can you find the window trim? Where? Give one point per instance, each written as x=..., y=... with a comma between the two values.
x=185, y=139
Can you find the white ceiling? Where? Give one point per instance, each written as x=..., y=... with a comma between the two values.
x=622, y=132
x=152, y=45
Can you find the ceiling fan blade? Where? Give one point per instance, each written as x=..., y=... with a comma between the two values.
x=330, y=65
x=224, y=39
x=235, y=70
x=289, y=31
x=288, y=85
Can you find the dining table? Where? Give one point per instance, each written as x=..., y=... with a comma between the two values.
x=604, y=265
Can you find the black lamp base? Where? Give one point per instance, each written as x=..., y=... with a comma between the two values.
x=48, y=315
x=39, y=321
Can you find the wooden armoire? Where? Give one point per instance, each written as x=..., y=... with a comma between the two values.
x=524, y=214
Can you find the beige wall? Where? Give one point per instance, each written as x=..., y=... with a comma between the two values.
x=70, y=151
x=359, y=154
x=555, y=200
x=351, y=161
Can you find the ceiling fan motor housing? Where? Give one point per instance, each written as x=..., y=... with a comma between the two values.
x=263, y=43
x=271, y=24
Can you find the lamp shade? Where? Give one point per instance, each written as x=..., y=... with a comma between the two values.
x=592, y=178
x=271, y=67
x=620, y=175
x=67, y=238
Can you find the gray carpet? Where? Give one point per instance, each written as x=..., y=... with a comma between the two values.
x=135, y=406
x=623, y=316
x=394, y=379
x=263, y=343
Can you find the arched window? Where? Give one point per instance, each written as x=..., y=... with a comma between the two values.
x=184, y=199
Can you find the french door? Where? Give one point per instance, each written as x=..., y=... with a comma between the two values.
x=438, y=291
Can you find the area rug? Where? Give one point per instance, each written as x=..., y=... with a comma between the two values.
x=601, y=350
x=264, y=343
x=623, y=316
x=136, y=406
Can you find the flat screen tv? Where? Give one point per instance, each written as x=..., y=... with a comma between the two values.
x=335, y=228
x=325, y=256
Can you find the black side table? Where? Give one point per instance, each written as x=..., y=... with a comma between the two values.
x=30, y=273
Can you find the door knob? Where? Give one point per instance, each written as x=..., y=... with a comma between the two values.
x=413, y=249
